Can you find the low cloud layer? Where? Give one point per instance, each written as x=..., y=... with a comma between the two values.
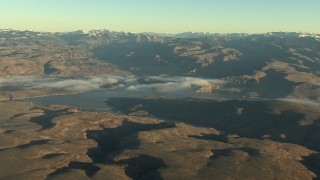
x=162, y=83
x=92, y=83
x=301, y=101
x=165, y=83
x=21, y=80
x=71, y=84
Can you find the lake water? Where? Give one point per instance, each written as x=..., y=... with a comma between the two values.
x=96, y=100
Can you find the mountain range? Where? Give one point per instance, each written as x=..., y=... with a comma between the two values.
x=103, y=104
x=271, y=65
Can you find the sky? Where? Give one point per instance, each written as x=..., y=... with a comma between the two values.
x=162, y=16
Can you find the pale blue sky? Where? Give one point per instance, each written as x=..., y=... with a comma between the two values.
x=168, y=16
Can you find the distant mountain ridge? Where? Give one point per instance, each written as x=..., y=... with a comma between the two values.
x=272, y=65
x=189, y=34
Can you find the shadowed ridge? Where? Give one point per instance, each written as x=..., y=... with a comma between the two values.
x=46, y=119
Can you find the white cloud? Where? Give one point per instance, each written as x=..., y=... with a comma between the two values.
x=19, y=80
x=301, y=101
x=86, y=84
x=71, y=84
x=164, y=83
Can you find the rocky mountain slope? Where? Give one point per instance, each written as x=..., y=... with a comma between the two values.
x=271, y=65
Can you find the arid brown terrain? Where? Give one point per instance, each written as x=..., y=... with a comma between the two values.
x=62, y=142
x=257, y=115
x=272, y=65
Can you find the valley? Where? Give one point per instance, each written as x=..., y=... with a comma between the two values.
x=97, y=104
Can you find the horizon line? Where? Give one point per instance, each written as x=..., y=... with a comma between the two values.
x=205, y=32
